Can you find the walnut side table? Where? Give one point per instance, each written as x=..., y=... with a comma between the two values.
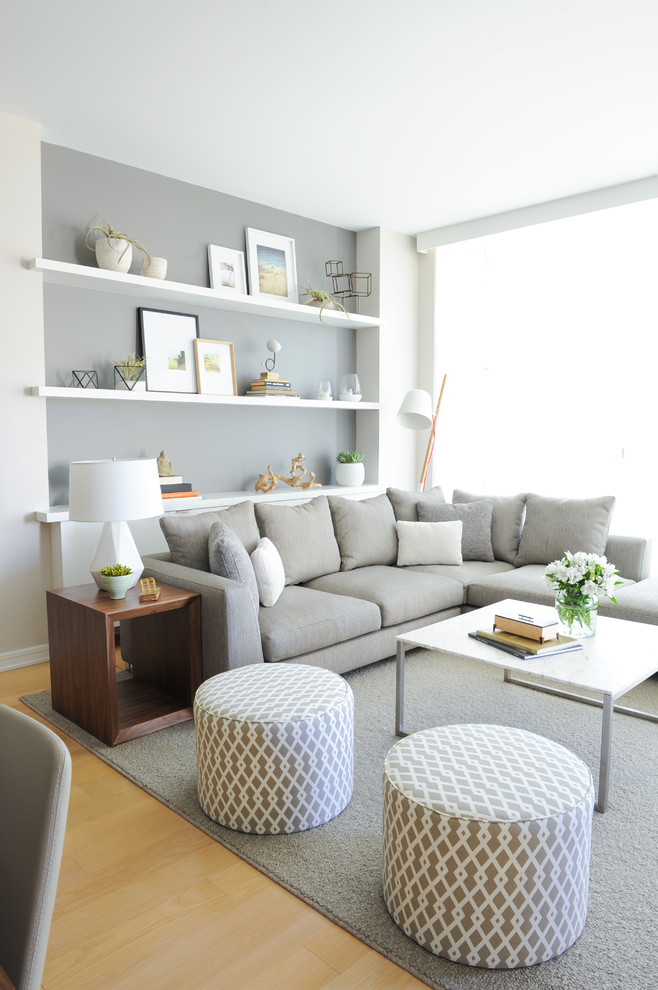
x=166, y=660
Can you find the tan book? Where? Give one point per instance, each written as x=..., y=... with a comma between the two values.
x=536, y=624
x=522, y=647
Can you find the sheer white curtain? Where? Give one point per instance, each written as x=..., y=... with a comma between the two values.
x=549, y=338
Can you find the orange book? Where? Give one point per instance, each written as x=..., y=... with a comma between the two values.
x=180, y=494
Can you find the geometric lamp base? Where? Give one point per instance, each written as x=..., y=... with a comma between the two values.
x=116, y=546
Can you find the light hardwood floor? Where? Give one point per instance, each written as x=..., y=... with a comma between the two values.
x=148, y=902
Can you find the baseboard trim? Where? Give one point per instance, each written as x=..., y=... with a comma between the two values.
x=24, y=658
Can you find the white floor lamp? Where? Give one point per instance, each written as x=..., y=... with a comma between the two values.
x=415, y=413
x=111, y=492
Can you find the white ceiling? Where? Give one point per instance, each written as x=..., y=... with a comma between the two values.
x=406, y=115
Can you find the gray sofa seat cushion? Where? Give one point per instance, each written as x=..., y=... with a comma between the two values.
x=228, y=558
x=506, y=521
x=554, y=525
x=304, y=620
x=527, y=584
x=303, y=535
x=365, y=531
x=187, y=535
x=638, y=602
x=405, y=503
x=400, y=592
x=476, y=525
x=467, y=573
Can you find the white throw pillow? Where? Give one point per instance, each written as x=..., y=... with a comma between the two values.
x=268, y=568
x=430, y=542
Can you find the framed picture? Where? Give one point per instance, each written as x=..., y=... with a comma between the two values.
x=168, y=349
x=272, y=266
x=227, y=269
x=215, y=367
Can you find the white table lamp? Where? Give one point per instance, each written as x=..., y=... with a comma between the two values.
x=415, y=413
x=111, y=492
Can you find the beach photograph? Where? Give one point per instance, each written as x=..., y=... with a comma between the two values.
x=272, y=271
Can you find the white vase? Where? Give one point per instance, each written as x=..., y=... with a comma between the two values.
x=114, y=254
x=155, y=268
x=350, y=475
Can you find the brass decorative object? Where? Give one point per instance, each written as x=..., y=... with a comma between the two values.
x=268, y=482
x=348, y=285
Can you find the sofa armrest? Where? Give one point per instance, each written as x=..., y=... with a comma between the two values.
x=631, y=555
x=230, y=634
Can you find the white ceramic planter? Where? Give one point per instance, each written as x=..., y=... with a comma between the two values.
x=114, y=254
x=117, y=586
x=156, y=268
x=350, y=475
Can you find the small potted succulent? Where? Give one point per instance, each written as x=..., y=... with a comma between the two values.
x=116, y=579
x=350, y=471
x=324, y=300
x=128, y=373
x=114, y=249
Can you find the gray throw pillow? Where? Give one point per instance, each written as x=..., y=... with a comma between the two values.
x=187, y=534
x=303, y=535
x=405, y=503
x=476, y=528
x=554, y=525
x=506, y=521
x=229, y=559
x=365, y=530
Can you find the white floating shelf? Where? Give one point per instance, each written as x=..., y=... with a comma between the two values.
x=157, y=290
x=112, y=395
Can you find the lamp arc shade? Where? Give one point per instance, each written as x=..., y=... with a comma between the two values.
x=416, y=411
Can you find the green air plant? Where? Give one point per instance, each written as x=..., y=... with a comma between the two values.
x=326, y=298
x=115, y=570
x=131, y=367
x=113, y=234
x=349, y=457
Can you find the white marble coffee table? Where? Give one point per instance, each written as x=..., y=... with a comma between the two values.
x=620, y=656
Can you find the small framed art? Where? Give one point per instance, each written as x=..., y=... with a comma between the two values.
x=215, y=367
x=272, y=266
x=227, y=270
x=168, y=348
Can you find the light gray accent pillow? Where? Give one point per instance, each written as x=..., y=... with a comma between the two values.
x=303, y=535
x=555, y=525
x=405, y=503
x=229, y=559
x=187, y=534
x=506, y=521
x=476, y=529
x=365, y=530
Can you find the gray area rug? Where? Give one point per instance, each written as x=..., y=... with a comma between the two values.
x=337, y=868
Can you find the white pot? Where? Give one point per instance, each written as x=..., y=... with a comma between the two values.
x=350, y=475
x=114, y=254
x=156, y=268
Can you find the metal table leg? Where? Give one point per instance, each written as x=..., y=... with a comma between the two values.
x=399, y=690
x=606, y=751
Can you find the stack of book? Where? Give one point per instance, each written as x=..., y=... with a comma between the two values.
x=174, y=487
x=269, y=383
x=527, y=635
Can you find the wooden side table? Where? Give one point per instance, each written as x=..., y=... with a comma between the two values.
x=166, y=659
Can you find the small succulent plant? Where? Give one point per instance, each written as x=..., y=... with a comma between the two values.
x=349, y=457
x=115, y=570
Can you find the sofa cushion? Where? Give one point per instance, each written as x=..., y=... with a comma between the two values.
x=268, y=569
x=554, y=525
x=429, y=542
x=401, y=595
x=476, y=525
x=469, y=572
x=303, y=535
x=404, y=503
x=187, y=535
x=506, y=521
x=304, y=620
x=527, y=584
x=365, y=531
x=229, y=559
x=638, y=602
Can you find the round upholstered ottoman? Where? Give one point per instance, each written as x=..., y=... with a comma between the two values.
x=275, y=747
x=487, y=844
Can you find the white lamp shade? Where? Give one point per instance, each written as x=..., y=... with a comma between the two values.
x=415, y=413
x=114, y=490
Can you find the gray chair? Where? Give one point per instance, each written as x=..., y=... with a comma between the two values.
x=35, y=783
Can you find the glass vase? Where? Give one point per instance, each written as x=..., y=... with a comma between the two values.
x=577, y=614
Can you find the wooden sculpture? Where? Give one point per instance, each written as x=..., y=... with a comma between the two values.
x=268, y=482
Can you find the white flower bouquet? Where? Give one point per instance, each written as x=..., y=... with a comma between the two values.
x=579, y=580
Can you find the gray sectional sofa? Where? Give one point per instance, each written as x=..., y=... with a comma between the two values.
x=347, y=576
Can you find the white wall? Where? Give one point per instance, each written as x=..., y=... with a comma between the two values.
x=24, y=557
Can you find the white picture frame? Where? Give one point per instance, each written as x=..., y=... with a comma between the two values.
x=168, y=349
x=227, y=270
x=215, y=367
x=272, y=265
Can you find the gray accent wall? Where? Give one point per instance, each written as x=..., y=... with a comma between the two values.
x=217, y=448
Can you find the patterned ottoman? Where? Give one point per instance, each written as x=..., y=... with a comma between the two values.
x=487, y=844
x=275, y=747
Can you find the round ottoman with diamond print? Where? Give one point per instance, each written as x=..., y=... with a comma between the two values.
x=487, y=835
x=275, y=747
